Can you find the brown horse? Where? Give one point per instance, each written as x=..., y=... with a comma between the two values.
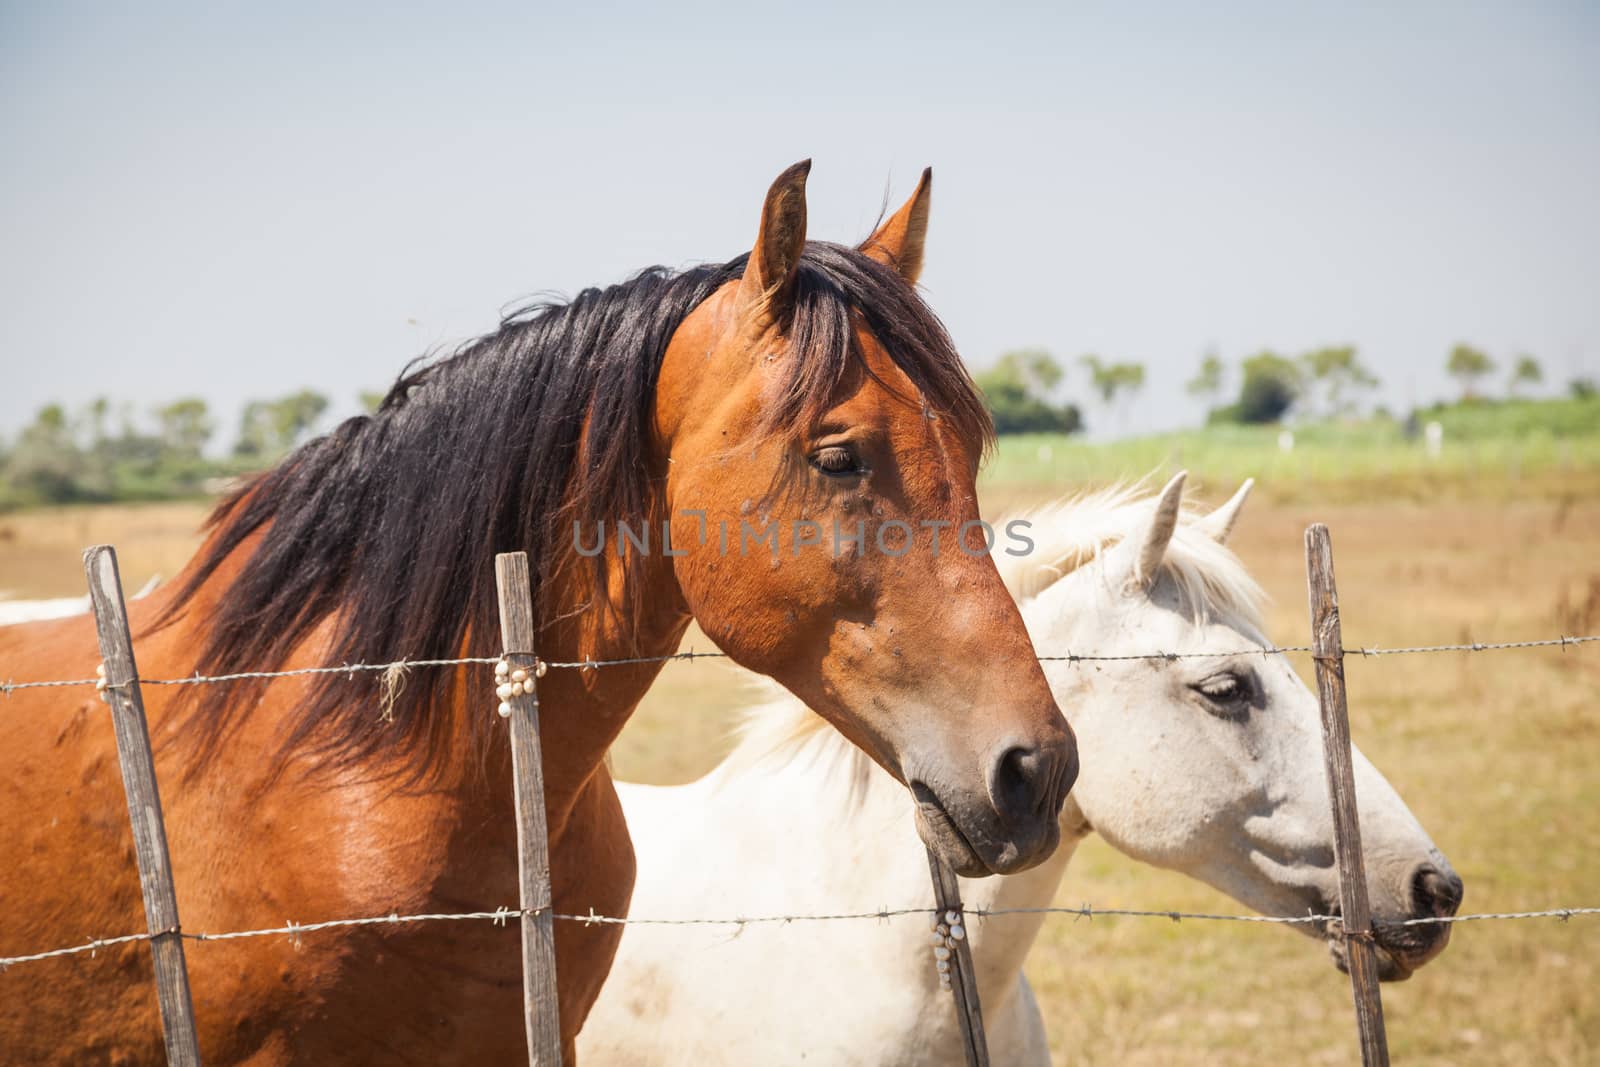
x=797, y=420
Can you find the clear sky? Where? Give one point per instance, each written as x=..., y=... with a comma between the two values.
x=237, y=203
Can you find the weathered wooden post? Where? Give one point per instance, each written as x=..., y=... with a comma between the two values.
x=963, y=977
x=1327, y=649
x=144, y=805
x=541, y=1007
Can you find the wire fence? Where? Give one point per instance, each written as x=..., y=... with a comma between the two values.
x=501, y=916
x=9, y=687
x=166, y=936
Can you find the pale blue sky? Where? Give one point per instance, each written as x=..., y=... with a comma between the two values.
x=239, y=203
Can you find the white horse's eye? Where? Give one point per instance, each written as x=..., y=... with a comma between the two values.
x=1224, y=688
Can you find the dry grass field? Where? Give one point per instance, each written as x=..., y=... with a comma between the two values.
x=41, y=550
x=1497, y=753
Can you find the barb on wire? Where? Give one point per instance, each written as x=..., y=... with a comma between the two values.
x=396, y=669
x=499, y=917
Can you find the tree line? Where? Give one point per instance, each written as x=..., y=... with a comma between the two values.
x=95, y=454
x=1025, y=388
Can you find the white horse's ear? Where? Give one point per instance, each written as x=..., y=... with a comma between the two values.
x=1219, y=524
x=1139, y=558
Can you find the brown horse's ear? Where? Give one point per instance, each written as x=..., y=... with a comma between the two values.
x=898, y=242
x=768, y=283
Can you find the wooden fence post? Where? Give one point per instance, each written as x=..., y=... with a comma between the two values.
x=144, y=805
x=541, y=1008
x=963, y=977
x=1356, y=918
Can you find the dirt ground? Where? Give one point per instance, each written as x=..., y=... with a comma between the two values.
x=1497, y=753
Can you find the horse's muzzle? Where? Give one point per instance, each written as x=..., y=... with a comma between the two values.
x=1015, y=826
x=1405, y=945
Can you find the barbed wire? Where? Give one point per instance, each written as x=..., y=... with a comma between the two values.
x=9, y=687
x=1475, y=646
x=501, y=916
x=94, y=945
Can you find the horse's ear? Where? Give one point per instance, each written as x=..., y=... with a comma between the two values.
x=1139, y=559
x=1219, y=524
x=899, y=241
x=768, y=284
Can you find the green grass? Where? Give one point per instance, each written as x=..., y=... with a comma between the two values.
x=1501, y=449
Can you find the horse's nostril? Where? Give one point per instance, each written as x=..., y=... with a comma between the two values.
x=1435, y=894
x=1022, y=783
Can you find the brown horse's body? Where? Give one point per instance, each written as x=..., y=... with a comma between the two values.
x=892, y=649
x=248, y=853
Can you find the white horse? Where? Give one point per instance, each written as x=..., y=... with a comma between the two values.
x=1209, y=765
x=15, y=611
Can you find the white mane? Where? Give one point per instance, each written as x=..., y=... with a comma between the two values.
x=1067, y=535
x=1075, y=530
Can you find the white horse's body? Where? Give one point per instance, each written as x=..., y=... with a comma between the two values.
x=848, y=992
x=15, y=611
x=1210, y=765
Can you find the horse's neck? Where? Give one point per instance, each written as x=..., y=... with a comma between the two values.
x=582, y=710
x=863, y=804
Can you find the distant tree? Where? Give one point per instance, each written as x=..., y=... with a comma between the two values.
x=1338, y=374
x=1270, y=384
x=1114, y=381
x=1583, y=388
x=1035, y=367
x=1018, y=390
x=270, y=428
x=99, y=412
x=1467, y=365
x=371, y=400
x=1525, y=371
x=132, y=454
x=185, y=427
x=100, y=457
x=1207, y=382
x=46, y=465
x=1015, y=410
x=63, y=456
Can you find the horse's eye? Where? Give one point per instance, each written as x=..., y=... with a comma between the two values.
x=837, y=460
x=1225, y=688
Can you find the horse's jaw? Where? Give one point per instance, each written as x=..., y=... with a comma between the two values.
x=1399, y=953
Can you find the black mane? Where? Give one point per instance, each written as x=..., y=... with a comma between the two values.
x=389, y=525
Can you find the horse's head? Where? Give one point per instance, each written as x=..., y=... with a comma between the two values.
x=1212, y=764
x=821, y=443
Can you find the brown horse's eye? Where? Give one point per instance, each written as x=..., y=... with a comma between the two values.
x=836, y=460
